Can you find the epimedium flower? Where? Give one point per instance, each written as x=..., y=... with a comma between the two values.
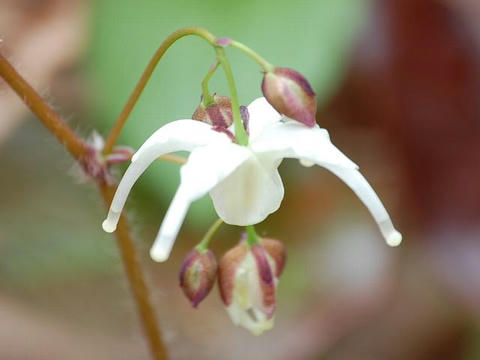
x=243, y=181
x=247, y=279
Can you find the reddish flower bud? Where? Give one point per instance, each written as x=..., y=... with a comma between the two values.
x=219, y=114
x=247, y=280
x=277, y=252
x=197, y=275
x=290, y=94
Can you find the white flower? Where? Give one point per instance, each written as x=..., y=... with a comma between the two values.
x=243, y=182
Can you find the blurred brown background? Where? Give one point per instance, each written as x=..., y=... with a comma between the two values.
x=398, y=85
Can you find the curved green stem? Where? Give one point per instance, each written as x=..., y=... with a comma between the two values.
x=203, y=245
x=252, y=236
x=240, y=132
x=267, y=67
x=127, y=109
x=207, y=98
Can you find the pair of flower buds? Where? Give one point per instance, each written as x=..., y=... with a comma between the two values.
x=285, y=89
x=247, y=280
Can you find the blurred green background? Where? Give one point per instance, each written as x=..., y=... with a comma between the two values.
x=396, y=84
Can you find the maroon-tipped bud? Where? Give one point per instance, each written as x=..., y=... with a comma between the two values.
x=290, y=94
x=277, y=252
x=219, y=114
x=227, y=269
x=248, y=279
x=197, y=275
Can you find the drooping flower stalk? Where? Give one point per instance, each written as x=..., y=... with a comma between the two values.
x=203, y=245
x=240, y=132
x=207, y=99
x=252, y=236
x=254, y=55
x=169, y=41
x=142, y=82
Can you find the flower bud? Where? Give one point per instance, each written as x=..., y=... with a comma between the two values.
x=290, y=94
x=277, y=252
x=248, y=278
x=197, y=275
x=219, y=114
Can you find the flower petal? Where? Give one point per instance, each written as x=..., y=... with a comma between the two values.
x=261, y=114
x=294, y=140
x=291, y=139
x=251, y=193
x=179, y=135
x=175, y=136
x=354, y=179
x=206, y=167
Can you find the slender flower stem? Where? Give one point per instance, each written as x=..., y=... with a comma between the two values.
x=203, y=245
x=50, y=119
x=77, y=148
x=252, y=236
x=142, y=82
x=267, y=67
x=207, y=98
x=136, y=279
x=240, y=132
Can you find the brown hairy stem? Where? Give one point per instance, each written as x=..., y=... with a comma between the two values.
x=50, y=119
x=136, y=279
x=78, y=148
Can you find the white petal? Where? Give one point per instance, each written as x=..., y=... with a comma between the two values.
x=244, y=318
x=206, y=167
x=292, y=139
x=354, y=179
x=251, y=193
x=175, y=136
x=261, y=114
x=170, y=227
x=180, y=135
